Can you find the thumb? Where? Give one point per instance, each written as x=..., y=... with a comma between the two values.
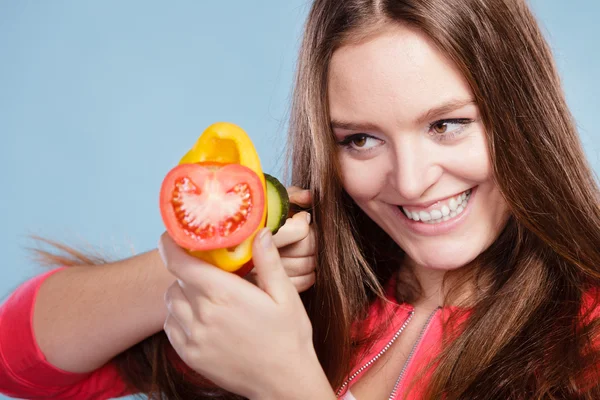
x=268, y=270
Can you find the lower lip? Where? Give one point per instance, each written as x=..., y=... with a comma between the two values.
x=440, y=228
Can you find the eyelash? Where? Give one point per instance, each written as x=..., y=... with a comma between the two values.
x=451, y=135
x=347, y=142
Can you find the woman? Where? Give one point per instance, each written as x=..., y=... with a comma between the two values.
x=456, y=225
x=523, y=276
x=443, y=122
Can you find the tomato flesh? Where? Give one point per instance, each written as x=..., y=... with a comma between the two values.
x=212, y=206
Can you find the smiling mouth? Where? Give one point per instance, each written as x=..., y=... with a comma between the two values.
x=443, y=211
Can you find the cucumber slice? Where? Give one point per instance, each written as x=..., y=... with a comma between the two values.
x=278, y=203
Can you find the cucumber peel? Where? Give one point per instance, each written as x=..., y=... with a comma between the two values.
x=278, y=203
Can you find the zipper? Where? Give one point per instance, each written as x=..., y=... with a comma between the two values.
x=382, y=352
x=411, y=354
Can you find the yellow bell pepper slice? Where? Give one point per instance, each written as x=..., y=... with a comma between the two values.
x=227, y=143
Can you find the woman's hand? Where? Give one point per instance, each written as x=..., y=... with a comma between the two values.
x=296, y=243
x=254, y=340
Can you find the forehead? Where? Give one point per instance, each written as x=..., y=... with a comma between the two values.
x=397, y=71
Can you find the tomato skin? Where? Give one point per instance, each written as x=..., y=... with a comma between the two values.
x=245, y=269
x=233, y=192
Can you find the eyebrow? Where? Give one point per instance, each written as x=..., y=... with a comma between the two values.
x=353, y=126
x=444, y=108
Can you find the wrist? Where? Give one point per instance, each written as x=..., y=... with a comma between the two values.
x=157, y=280
x=306, y=381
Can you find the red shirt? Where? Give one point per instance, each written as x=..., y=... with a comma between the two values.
x=25, y=372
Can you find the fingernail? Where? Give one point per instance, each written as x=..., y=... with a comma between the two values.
x=308, y=218
x=266, y=238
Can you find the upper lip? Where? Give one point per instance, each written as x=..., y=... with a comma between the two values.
x=426, y=204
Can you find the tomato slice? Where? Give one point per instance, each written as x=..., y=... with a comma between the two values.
x=207, y=207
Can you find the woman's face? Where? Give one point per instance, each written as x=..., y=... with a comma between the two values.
x=412, y=148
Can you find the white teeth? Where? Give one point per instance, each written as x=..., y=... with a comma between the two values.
x=424, y=215
x=456, y=205
x=436, y=214
x=453, y=204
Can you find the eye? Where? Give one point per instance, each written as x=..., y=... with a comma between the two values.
x=447, y=129
x=360, y=142
x=440, y=127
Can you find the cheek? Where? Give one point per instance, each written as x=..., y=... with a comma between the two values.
x=490, y=212
x=474, y=165
x=362, y=180
x=470, y=161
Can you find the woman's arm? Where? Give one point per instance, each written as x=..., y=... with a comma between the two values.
x=25, y=372
x=84, y=316
x=59, y=330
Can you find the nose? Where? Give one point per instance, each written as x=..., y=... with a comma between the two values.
x=415, y=170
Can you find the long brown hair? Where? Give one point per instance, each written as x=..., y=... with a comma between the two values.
x=528, y=335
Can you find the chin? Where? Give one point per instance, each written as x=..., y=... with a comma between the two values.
x=443, y=258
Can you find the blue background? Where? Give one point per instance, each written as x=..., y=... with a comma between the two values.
x=98, y=100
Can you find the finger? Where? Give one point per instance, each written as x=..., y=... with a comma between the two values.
x=269, y=272
x=174, y=257
x=298, y=269
x=304, y=248
x=299, y=266
x=303, y=282
x=300, y=197
x=179, y=307
x=294, y=189
x=175, y=334
x=195, y=275
x=294, y=230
